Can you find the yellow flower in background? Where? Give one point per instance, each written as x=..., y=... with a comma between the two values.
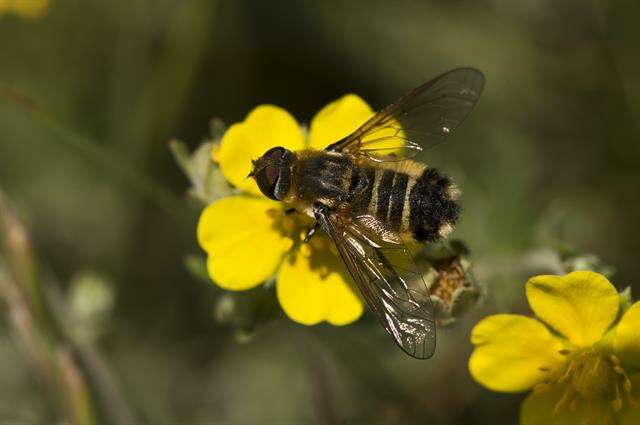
x=28, y=9
x=249, y=239
x=581, y=364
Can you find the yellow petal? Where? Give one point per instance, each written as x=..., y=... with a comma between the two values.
x=337, y=120
x=312, y=287
x=239, y=235
x=29, y=9
x=538, y=409
x=265, y=127
x=510, y=350
x=630, y=415
x=581, y=305
x=626, y=339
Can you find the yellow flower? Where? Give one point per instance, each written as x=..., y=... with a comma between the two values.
x=28, y=9
x=576, y=358
x=249, y=239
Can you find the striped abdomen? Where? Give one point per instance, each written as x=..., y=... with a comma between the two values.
x=422, y=204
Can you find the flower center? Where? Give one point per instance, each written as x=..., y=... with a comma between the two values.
x=589, y=375
x=295, y=227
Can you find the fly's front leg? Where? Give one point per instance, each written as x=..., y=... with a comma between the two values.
x=311, y=232
x=320, y=211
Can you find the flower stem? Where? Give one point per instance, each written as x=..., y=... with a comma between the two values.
x=62, y=363
x=111, y=162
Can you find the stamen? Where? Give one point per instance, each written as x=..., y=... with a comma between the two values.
x=617, y=404
x=632, y=401
x=589, y=376
x=620, y=371
x=574, y=405
x=596, y=365
x=608, y=420
x=617, y=401
x=541, y=388
x=318, y=243
x=563, y=401
x=305, y=250
x=567, y=374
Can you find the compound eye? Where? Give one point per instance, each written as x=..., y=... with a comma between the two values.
x=267, y=178
x=274, y=153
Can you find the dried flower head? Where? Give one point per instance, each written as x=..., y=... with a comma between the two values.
x=448, y=275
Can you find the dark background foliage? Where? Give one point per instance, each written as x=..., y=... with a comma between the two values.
x=93, y=91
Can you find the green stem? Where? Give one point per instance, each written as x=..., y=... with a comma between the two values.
x=63, y=363
x=109, y=161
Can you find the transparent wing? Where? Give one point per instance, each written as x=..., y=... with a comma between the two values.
x=390, y=282
x=418, y=120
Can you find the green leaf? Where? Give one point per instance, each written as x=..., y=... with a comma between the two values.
x=196, y=265
x=217, y=128
x=625, y=299
x=207, y=182
x=181, y=154
x=246, y=311
x=573, y=259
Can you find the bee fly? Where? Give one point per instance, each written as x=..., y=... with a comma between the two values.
x=371, y=198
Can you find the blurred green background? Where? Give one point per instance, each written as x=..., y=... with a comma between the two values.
x=92, y=91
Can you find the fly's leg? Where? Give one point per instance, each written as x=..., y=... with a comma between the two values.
x=319, y=209
x=311, y=232
x=320, y=212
